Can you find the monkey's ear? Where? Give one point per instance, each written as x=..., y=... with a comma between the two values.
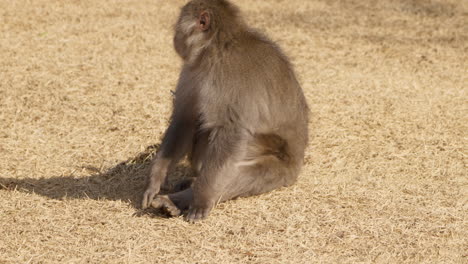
x=204, y=21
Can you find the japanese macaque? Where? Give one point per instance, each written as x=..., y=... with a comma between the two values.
x=239, y=114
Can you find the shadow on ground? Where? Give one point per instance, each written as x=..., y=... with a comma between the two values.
x=125, y=181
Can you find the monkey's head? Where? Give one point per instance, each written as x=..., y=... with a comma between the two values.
x=203, y=22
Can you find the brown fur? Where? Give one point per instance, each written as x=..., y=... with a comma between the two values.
x=239, y=112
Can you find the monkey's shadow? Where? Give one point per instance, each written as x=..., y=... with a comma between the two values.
x=126, y=181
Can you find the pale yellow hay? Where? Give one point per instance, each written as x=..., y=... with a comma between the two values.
x=85, y=96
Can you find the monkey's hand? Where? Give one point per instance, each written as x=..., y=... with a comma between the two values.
x=150, y=193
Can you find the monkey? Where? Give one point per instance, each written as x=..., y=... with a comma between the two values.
x=239, y=114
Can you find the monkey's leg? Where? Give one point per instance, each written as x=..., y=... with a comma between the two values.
x=200, y=144
x=212, y=188
x=263, y=178
x=237, y=181
x=215, y=173
x=269, y=163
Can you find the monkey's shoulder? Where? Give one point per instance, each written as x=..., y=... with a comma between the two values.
x=260, y=43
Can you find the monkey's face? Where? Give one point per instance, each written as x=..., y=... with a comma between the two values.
x=192, y=31
x=180, y=45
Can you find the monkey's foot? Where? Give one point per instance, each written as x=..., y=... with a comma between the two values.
x=163, y=202
x=197, y=214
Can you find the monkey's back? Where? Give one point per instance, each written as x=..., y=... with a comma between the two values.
x=256, y=85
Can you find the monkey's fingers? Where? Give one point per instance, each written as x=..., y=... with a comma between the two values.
x=148, y=196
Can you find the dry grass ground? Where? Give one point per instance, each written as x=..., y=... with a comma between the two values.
x=84, y=96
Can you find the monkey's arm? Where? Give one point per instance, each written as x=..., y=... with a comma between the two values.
x=177, y=140
x=176, y=143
